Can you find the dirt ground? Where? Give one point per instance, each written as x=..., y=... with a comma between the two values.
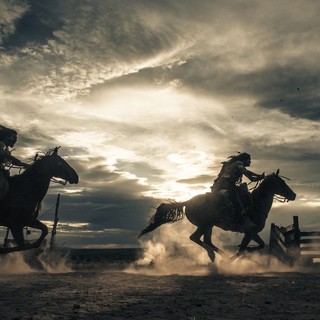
x=116, y=294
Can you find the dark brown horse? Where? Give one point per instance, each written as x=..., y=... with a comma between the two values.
x=208, y=210
x=19, y=207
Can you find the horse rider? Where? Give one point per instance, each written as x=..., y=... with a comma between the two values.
x=8, y=138
x=229, y=182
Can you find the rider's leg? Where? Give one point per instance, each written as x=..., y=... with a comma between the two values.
x=4, y=186
x=242, y=195
x=227, y=197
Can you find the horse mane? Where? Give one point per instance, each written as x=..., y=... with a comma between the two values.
x=38, y=157
x=261, y=183
x=44, y=154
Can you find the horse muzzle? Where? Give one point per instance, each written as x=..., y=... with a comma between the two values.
x=74, y=179
x=291, y=196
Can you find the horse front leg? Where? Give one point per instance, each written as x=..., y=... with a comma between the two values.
x=36, y=224
x=256, y=238
x=251, y=230
x=245, y=242
x=243, y=245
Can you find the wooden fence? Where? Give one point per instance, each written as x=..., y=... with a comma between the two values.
x=293, y=246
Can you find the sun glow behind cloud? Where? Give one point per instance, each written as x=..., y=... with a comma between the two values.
x=159, y=126
x=148, y=125
x=146, y=100
x=146, y=106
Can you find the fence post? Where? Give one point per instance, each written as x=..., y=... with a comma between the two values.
x=55, y=223
x=271, y=237
x=296, y=231
x=296, y=252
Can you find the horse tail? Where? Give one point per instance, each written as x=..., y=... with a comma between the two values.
x=166, y=213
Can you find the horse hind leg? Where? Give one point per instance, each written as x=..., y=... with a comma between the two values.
x=207, y=243
x=195, y=237
x=17, y=233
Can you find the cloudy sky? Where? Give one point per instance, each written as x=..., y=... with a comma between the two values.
x=146, y=98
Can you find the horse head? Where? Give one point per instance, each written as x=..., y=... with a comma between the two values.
x=279, y=186
x=53, y=166
x=61, y=169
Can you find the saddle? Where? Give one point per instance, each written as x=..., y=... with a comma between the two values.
x=233, y=212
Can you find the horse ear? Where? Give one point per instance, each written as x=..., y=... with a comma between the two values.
x=277, y=173
x=55, y=151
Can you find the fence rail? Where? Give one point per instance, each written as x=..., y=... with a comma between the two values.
x=293, y=246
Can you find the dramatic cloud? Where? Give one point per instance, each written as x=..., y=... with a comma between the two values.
x=147, y=98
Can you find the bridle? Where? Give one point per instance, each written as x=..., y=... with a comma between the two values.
x=276, y=197
x=38, y=157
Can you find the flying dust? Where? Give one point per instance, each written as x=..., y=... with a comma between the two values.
x=168, y=250
x=35, y=260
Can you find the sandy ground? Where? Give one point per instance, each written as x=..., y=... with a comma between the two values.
x=116, y=294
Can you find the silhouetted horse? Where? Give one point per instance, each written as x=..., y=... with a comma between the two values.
x=208, y=210
x=26, y=191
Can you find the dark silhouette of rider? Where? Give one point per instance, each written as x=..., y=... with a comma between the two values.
x=229, y=181
x=8, y=138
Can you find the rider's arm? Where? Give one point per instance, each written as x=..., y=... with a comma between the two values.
x=252, y=176
x=6, y=155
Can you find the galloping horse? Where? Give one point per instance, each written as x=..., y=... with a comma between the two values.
x=208, y=210
x=26, y=191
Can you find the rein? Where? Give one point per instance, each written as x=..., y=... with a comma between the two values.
x=63, y=182
x=14, y=167
x=255, y=186
x=276, y=197
x=284, y=177
x=35, y=159
x=280, y=198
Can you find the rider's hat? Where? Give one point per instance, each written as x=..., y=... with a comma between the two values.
x=5, y=132
x=241, y=156
x=244, y=155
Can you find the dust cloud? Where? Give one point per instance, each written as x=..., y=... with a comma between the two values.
x=44, y=260
x=14, y=263
x=168, y=250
